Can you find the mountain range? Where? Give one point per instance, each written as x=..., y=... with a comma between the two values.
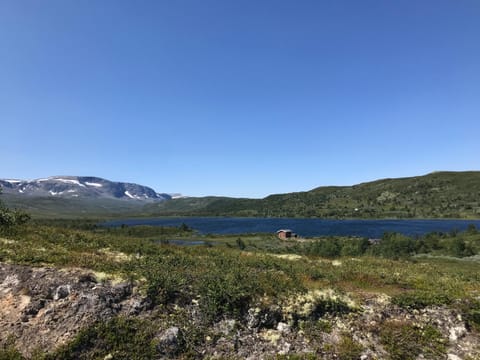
x=74, y=196
x=436, y=195
x=81, y=186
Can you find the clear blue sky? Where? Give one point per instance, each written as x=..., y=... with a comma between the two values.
x=239, y=98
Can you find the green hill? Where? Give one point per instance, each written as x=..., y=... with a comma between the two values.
x=53, y=207
x=436, y=195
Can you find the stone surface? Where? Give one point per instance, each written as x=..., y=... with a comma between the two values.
x=454, y=357
x=170, y=341
x=283, y=327
x=457, y=332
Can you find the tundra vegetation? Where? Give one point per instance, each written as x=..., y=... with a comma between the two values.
x=258, y=283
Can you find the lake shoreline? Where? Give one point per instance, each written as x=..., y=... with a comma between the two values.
x=369, y=228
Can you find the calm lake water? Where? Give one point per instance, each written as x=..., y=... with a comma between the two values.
x=305, y=227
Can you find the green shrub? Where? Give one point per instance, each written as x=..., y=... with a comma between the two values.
x=329, y=248
x=459, y=248
x=471, y=312
x=226, y=293
x=330, y=306
x=8, y=351
x=348, y=349
x=315, y=328
x=405, y=341
x=10, y=220
x=167, y=278
x=394, y=246
x=122, y=338
x=241, y=244
x=354, y=247
x=420, y=299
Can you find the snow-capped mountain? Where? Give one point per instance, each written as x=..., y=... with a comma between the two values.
x=81, y=187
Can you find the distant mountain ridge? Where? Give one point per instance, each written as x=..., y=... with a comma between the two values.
x=84, y=187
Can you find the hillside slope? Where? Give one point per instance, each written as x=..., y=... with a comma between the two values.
x=436, y=195
x=55, y=207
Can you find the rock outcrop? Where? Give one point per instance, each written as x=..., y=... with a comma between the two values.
x=43, y=308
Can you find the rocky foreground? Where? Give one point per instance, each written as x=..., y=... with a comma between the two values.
x=43, y=309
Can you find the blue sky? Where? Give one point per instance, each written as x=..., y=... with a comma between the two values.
x=239, y=98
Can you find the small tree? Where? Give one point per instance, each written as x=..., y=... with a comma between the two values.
x=329, y=248
x=394, y=246
x=355, y=247
x=241, y=244
x=459, y=248
x=472, y=229
x=9, y=219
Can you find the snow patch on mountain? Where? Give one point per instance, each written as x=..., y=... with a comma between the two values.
x=93, y=184
x=177, y=196
x=137, y=197
x=69, y=181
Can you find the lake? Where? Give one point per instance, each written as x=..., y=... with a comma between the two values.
x=304, y=227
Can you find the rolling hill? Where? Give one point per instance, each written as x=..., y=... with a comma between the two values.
x=436, y=195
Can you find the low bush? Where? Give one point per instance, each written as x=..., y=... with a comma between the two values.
x=421, y=299
x=394, y=246
x=8, y=351
x=348, y=349
x=118, y=338
x=471, y=312
x=404, y=341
